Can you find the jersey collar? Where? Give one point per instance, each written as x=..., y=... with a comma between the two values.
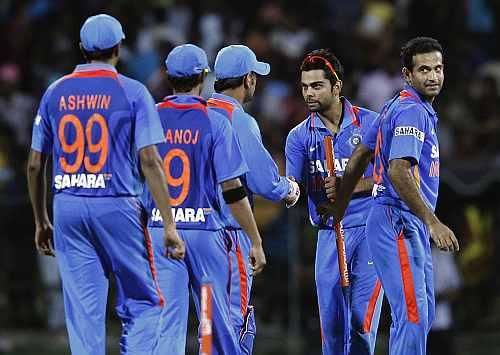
x=410, y=93
x=95, y=67
x=228, y=99
x=349, y=116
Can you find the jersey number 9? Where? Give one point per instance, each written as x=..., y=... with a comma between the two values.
x=183, y=179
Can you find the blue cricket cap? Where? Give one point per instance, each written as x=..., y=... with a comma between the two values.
x=186, y=60
x=237, y=60
x=101, y=32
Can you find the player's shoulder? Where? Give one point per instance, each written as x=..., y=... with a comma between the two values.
x=242, y=119
x=131, y=85
x=217, y=120
x=301, y=129
x=364, y=115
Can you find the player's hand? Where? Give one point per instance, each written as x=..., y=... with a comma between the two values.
x=257, y=259
x=443, y=237
x=327, y=209
x=293, y=194
x=174, y=245
x=331, y=185
x=44, y=239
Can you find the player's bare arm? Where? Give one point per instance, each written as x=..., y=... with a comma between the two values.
x=37, y=187
x=342, y=193
x=235, y=196
x=152, y=168
x=405, y=185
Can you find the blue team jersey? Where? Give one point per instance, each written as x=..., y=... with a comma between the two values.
x=305, y=159
x=93, y=122
x=406, y=129
x=200, y=152
x=263, y=177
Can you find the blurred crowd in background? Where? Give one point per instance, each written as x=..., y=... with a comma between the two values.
x=40, y=44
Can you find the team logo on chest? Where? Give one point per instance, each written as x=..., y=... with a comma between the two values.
x=355, y=139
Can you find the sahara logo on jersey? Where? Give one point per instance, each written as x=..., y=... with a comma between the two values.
x=318, y=166
x=85, y=181
x=409, y=131
x=189, y=215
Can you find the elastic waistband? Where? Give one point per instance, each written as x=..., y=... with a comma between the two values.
x=348, y=227
x=231, y=228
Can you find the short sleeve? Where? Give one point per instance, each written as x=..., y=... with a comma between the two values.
x=42, y=134
x=370, y=136
x=408, y=134
x=227, y=158
x=148, y=129
x=295, y=155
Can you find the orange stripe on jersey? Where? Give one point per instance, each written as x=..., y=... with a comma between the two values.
x=224, y=105
x=243, y=281
x=355, y=116
x=93, y=74
x=407, y=277
x=151, y=260
x=367, y=323
x=405, y=94
x=178, y=106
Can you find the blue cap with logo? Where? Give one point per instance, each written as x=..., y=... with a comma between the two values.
x=101, y=32
x=237, y=60
x=186, y=60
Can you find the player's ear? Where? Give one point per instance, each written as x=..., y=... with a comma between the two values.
x=338, y=85
x=406, y=74
x=82, y=50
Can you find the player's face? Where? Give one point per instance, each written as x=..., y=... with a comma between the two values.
x=317, y=90
x=427, y=76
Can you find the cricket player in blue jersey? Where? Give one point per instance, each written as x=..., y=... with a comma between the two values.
x=101, y=129
x=345, y=329
x=236, y=70
x=404, y=141
x=201, y=156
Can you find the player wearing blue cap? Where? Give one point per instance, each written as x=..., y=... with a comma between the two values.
x=406, y=173
x=201, y=156
x=236, y=70
x=346, y=327
x=101, y=129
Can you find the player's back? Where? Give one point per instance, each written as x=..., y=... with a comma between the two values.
x=189, y=154
x=92, y=115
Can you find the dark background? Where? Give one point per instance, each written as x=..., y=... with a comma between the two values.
x=40, y=43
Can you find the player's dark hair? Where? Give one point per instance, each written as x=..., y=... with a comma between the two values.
x=326, y=60
x=185, y=83
x=99, y=55
x=418, y=45
x=229, y=83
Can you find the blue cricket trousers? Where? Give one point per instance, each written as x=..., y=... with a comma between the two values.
x=400, y=245
x=94, y=237
x=207, y=256
x=347, y=327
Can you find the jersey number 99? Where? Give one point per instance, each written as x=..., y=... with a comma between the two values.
x=78, y=144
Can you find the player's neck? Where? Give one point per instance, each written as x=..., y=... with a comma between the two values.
x=112, y=61
x=332, y=116
x=196, y=91
x=236, y=93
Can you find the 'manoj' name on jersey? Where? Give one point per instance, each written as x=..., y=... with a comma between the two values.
x=193, y=215
x=86, y=181
x=318, y=166
x=182, y=136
